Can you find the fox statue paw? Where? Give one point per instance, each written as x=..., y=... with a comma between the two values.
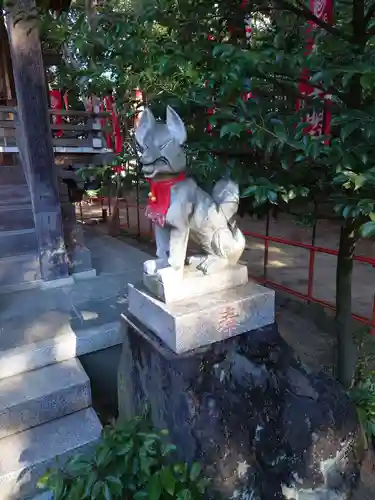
x=152, y=266
x=207, y=264
x=170, y=274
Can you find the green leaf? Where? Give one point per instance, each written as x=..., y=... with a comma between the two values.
x=367, y=230
x=202, y=485
x=347, y=77
x=168, y=449
x=195, y=471
x=107, y=492
x=114, y=484
x=280, y=132
x=154, y=487
x=184, y=495
x=146, y=464
x=231, y=129
x=140, y=495
x=96, y=490
x=44, y=480
x=359, y=181
x=168, y=480
x=90, y=483
x=58, y=488
x=104, y=457
x=126, y=448
x=272, y=196
x=367, y=81
x=317, y=77
x=347, y=130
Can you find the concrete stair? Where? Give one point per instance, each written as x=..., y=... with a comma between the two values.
x=39, y=396
x=23, y=359
x=25, y=457
x=44, y=414
x=18, y=242
x=19, y=271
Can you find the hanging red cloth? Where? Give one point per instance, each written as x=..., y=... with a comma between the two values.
x=319, y=121
x=114, y=139
x=159, y=198
x=57, y=105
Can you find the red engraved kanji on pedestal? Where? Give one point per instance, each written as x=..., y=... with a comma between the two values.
x=227, y=321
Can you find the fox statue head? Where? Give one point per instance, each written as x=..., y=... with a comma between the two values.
x=160, y=144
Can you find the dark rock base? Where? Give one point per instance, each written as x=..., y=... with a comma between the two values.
x=263, y=426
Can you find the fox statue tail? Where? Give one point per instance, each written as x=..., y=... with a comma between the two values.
x=226, y=195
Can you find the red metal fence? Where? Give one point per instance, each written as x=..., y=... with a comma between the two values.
x=312, y=249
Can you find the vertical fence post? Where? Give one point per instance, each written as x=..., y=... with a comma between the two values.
x=372, y=330
x=109, y=199
x=137, y=203
x=101, y=197
x=127, y=215
x=310, y=282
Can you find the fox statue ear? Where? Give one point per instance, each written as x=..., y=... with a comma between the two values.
x=176, y=126
x=146, y=123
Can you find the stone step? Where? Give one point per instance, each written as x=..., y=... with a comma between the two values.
x=65, y=345
x=11, y=175
x=16, y=217
x=11, y=194
x=39, y=396
x=19, y=270
x=18, y=242
x=24, y=457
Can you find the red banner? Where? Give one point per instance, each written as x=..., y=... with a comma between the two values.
x=66, y=100
x=114, y=139
x=57, y=105
x=139, y=109
x=320, y=120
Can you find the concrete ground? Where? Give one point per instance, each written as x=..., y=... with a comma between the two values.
x=32, y=316
x=287, y=265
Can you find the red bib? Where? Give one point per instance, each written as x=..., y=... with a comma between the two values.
x=159, y=198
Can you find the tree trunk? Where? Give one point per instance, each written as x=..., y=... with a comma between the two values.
x=346, y=348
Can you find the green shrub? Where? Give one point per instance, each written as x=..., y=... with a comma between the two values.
x=363, y=396
x=362, y=392
x=132, y=461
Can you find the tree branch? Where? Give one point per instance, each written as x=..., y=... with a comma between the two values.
x=305, y=12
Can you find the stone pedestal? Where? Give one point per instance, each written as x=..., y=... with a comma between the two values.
x=203, y=320
x=262, y=426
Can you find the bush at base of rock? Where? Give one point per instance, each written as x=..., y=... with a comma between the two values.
x=131, y=461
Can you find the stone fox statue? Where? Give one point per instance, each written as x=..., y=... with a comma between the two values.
x=179, y=207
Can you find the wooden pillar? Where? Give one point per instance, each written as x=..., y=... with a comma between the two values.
x=35, y=142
